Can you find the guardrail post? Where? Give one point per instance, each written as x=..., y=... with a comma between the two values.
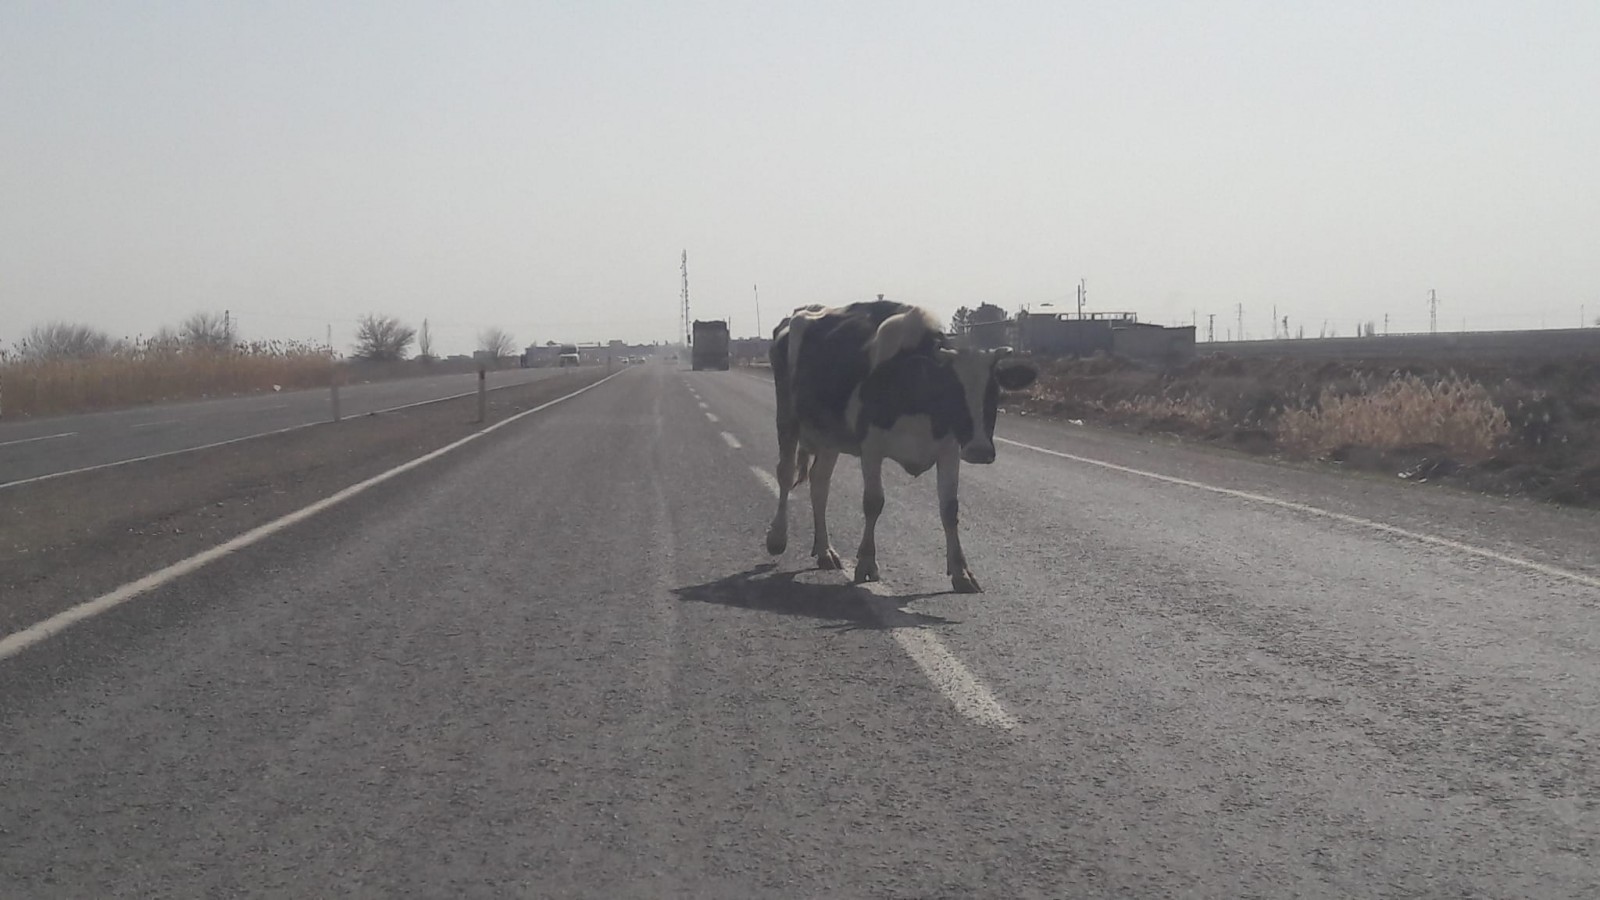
x=333, y=389
x=483, y=392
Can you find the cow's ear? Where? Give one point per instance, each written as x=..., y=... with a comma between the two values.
x=1016, y=376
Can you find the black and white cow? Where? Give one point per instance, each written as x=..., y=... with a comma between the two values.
x=879, y=380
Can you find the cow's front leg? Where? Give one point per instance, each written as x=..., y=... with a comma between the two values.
x=955, y=561
x=872, y=506
x=821, y=477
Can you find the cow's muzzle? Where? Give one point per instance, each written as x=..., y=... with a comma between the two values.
x=979, y=454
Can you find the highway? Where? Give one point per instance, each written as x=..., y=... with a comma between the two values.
x=558, y=662
x=31, y=448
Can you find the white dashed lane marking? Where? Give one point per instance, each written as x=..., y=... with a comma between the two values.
x=969, y=695
x=732, y=441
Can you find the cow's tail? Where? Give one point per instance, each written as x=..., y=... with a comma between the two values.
x=802, y=467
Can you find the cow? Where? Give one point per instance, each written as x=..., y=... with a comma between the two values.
x=880, y=380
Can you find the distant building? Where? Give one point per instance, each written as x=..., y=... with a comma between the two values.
x=1071, y=335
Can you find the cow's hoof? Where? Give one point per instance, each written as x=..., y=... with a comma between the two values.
x=777, y=543
x=964, y=583
x=829, y=560
x=866, y=570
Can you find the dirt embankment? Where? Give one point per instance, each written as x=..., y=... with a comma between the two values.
x=1527, y=428
x=67, y=540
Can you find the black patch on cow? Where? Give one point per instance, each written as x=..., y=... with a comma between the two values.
x=913, y=384
x=834, y=359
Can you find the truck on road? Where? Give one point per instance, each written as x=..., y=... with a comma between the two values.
x=710, y=349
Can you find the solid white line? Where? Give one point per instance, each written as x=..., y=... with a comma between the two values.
x=1459, y=547
x=969, y=695
x=712, y=417
x=154, y=424
x=247, y=437
x=732, y=441
x=48, y=437
x=12, y=644
x=122, y=462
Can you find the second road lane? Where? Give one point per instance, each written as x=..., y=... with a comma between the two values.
x=33, y=448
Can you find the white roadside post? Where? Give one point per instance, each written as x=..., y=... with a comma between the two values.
x=483, y=392
x=333, y=389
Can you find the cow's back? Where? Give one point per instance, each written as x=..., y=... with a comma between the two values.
x=821, y=358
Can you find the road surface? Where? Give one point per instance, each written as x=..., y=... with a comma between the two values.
x=558, y=663
x=30, y=448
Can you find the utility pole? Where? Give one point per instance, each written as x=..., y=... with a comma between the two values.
x=1211, y=328
x=1385, y=324
x=1433, y=312
x=1083, y=292
x=1274, y=321
x=686, y=339
x=756, y=289
x=1239, y=307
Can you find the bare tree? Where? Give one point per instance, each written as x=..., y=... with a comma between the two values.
x=382, y=338
x=425, y=342
x=497, y=342
x=165, y=342
x=65, y=340
x=960, y=321
x=208, y=331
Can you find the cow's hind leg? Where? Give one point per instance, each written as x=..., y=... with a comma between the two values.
x=821, y=478
x=872, y=506
x=961, y=578
x=788, y=446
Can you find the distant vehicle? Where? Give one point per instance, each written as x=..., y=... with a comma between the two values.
x=569, y=356
x=710, y=349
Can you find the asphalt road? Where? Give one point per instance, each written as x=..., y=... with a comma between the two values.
x=559, y=663
x=30, y=448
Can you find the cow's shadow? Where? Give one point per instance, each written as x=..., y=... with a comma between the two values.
x=842, y=606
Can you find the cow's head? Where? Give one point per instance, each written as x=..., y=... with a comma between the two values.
x=982, y=374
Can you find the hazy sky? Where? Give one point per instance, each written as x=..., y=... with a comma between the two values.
x=540, y=166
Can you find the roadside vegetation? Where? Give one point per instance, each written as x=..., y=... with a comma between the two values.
x=1527, y=428
x=66, y=367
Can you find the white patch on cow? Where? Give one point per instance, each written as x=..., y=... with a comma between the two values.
x=902, y=331
x=909, y=442
x=973, y=369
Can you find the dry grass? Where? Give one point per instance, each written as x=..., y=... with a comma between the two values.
x=1455, y=414
x=1528, y=427
x=152, y=371
x=1197, y=411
